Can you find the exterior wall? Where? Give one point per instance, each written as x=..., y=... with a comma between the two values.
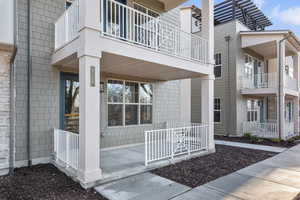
x=44, y=81
x=227, y=87
x=4, y=110
x=166, y=107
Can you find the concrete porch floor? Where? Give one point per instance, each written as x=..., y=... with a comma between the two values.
x=122, y=159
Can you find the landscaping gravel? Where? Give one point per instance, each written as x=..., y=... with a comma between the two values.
x=43, y=182
x=200, y=170
x=286, y=144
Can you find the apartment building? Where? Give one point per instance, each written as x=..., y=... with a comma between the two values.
x=257, y=75
x=101, y=88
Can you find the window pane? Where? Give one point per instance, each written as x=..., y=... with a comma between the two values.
x=217, y=104
x=131, y=114
x=217, y=116
x=146, y=93
x=218, y=71
x=71, y=115
x=131, y=92
x=115, y=91
x=115, y=115
x=146, y=114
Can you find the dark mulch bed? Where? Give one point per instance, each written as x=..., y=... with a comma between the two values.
x=267, y=142
x=201, y=170
x=43, y=182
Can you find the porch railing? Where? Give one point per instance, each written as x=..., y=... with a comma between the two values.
x=291, y=83
x=130, y=25
x=171, y=142
x=261, y=80
x=66, y=27
x=289, y=130
x=264, y=130
x=66, y=148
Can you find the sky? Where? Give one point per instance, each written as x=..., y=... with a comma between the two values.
x=284, y=14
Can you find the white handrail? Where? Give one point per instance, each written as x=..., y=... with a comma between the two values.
x=171, y=142
x=67, y=26
x=264, y=130
x=261, y=80
x=124, y=22
x=66, y=148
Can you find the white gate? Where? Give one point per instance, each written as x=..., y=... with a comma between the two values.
x=169, y=143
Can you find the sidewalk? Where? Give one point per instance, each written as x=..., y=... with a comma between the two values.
x=274, y=178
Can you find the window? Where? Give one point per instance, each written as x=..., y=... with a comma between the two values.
x=253, y=109
x=218, y=65
x=289, y=111
x=145, y=10
x=217, y=110
x=129, y=103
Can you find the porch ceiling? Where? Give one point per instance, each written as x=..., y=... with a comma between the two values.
x=170, y=4
x=264, y=43
x=122, y=66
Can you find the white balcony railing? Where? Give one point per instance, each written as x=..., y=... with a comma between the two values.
x=66, y=27
x=262, y=80
x=263, y=130
x=66, y=148
x=171, y=142
x=127, y=24
x=123, y=22
x=290, y=83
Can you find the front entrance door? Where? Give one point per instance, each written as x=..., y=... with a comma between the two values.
x=69, y=102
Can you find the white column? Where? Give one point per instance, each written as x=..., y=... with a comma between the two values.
x=296, y=115
x=296, y=100
x=208, y=26
x=281, y=92
x=89, y=121
x=207, y=106
x=185, y=85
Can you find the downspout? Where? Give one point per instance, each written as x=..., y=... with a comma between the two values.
x=28, y=82
x=280, y=63
x=227, y=39
x=12, y=96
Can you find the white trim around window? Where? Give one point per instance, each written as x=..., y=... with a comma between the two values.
x=128, y=94
x=218, y=63
x=218, y=108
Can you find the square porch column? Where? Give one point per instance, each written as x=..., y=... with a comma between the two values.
x=208, y=27
x=280, y=90
x=296, y=99
x=89, y=120
x=207, y=107
x=296, y=115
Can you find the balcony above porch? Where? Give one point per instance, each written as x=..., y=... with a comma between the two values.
x=131, y=43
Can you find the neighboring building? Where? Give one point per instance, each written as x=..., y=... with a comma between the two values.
x=249, y=98
x=93, y=75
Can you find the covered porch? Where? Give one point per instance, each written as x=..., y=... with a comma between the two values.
x=262, y=116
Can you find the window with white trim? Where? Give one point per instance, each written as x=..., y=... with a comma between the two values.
x=253, y=110
x=218, y=65
x=217, y=110
x=129, y=103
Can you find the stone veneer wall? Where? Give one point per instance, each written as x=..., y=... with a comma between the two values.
x=4, y=110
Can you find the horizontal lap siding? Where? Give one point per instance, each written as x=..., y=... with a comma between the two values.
x=4, y=109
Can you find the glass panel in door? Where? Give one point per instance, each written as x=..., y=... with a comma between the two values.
x=69, y=103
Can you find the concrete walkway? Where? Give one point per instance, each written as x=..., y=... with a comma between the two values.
x=251, y=146
x=277, y=178
x=272, y=179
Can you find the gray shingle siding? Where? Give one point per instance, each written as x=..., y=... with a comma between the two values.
x=227, y=87
x=44, y=83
